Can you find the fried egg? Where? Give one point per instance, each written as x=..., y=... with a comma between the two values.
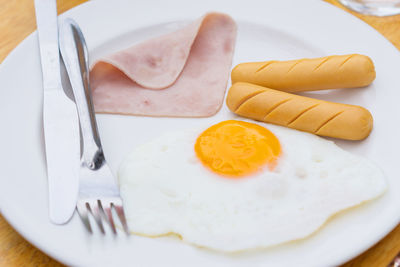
x=237, y=185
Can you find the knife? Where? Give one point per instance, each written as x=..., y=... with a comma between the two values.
x=60, y=120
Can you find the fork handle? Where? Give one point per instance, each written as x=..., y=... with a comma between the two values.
x=75, y=56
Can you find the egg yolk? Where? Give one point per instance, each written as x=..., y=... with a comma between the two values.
x=237, y=148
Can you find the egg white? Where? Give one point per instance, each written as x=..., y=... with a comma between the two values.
x=166, y=189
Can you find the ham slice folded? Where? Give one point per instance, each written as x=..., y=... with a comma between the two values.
x=181, y=74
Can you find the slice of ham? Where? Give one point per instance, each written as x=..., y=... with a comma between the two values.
x=181, y=74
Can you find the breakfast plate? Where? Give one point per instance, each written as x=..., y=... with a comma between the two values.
x=266, y=30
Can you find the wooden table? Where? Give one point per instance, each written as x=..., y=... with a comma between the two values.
x=18, y=21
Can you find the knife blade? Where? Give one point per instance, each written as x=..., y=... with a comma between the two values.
x=60, y=120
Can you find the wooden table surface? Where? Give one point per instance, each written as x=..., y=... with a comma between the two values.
x=17, y=21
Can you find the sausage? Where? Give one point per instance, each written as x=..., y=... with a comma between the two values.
x=307, y=74
x=319, y=117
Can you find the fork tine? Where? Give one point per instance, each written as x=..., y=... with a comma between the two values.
x=93, y=207
x=108, y=212
x=83, y=213
x=121, y=215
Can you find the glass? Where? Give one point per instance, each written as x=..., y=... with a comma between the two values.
x=373, y=7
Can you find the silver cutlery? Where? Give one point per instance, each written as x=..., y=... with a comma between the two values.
x=60, y=120
x=98, y=190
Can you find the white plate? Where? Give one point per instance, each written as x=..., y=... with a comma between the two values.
x=267, y=30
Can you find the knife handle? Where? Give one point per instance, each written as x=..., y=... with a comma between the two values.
x=75, y=56
x=46, y=20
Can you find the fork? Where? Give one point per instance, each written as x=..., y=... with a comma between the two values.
x=98, y=191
